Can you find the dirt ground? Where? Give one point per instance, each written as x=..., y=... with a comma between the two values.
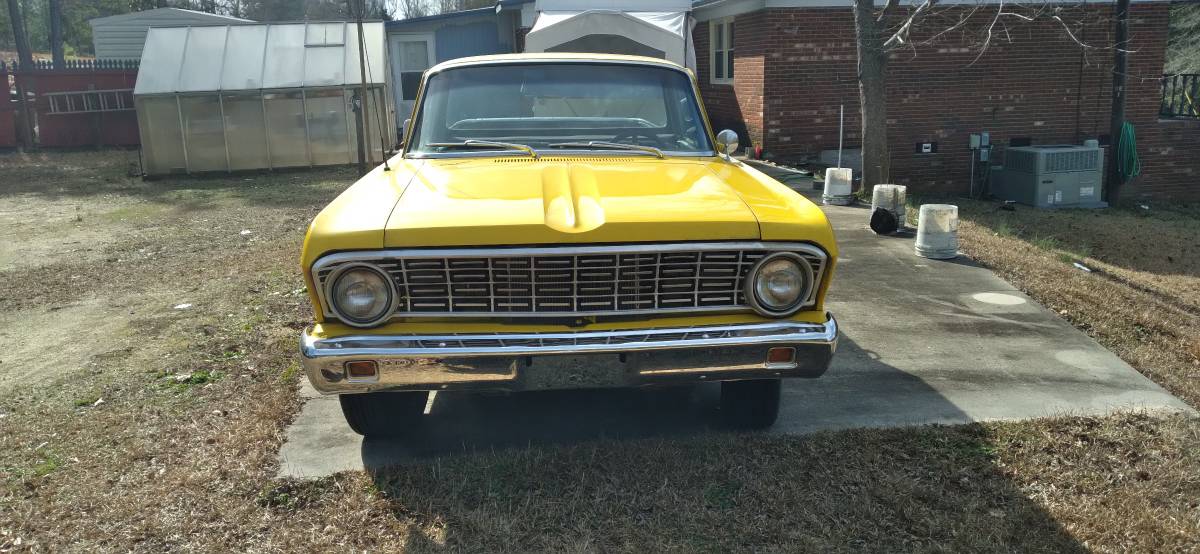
x=149, y=369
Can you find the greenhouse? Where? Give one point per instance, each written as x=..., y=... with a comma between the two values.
x=240, y=97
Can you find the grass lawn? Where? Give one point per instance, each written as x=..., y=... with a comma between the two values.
x=149, y=371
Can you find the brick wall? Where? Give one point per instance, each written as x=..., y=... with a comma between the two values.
x=738, y=106
x=811, y=72
x=1041, y=85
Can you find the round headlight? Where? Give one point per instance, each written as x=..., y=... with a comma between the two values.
x=361, y=295
x=780, y=283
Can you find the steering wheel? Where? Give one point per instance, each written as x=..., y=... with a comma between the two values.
x=630, y=137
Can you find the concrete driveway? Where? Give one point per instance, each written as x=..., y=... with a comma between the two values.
x=924, y=341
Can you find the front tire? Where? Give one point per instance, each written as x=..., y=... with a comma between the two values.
x=752, y=404
x=383, y=414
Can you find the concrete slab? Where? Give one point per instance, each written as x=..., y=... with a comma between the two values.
x=924, y=341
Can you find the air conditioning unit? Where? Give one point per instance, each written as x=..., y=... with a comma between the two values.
x=1052, y=176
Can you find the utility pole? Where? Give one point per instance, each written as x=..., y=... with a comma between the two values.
x=364, y=136
x=1112, y=193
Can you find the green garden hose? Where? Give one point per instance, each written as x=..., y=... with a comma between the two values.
x=1128, y=164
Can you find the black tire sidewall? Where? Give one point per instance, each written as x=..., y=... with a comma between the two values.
x=383, y=414
x=752, y=404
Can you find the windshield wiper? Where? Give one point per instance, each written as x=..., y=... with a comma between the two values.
x=472, y=143
x=610, y=146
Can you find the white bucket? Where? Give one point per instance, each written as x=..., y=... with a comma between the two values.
x=838, y=186
x=937, y=231
x=891, y=198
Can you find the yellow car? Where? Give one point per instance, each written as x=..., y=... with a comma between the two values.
x=564, y=221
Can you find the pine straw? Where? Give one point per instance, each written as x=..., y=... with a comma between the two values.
x=165, y=464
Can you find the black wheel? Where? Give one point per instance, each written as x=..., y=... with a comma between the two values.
x=383, y=414
x=750, y=404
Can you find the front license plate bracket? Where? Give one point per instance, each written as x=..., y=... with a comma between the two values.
x=574, y=372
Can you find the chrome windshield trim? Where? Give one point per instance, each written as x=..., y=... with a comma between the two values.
x=462, y=62
x=785, y=332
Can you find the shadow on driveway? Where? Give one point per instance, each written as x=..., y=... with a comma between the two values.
x=606, y=470
x=464, y=423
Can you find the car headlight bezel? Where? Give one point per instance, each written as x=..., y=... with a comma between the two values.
x=333, y=301
x=764, y=307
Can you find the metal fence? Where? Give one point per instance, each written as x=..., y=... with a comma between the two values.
x=1180, y=96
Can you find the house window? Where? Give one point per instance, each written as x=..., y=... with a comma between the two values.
x=720, y=41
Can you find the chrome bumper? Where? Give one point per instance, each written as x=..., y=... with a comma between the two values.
x=589, y=359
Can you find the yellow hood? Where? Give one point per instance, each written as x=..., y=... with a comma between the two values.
x=512, y=200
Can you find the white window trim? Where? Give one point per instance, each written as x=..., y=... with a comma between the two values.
x=712, y=50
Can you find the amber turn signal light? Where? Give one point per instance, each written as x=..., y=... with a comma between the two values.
x=361, y=369
x=781, y=355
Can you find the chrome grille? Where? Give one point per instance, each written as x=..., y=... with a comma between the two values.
x=586, y=280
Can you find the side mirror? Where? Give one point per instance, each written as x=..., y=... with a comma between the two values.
x=404, y=131
x=727, y=142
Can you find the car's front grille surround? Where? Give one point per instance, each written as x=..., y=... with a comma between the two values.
x=567, y=281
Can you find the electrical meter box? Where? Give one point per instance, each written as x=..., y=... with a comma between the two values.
x=1052, y=176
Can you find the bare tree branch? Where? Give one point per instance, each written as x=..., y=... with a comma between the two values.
x=962, y=21
x=899, y=36
x=886, y=8
x=1067, y=29
x=988, y=40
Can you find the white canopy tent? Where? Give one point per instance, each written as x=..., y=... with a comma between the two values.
x=659, y=29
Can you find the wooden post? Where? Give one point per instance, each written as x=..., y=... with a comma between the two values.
x=364, y=121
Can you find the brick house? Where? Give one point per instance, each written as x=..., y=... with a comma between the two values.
x=794, y=62
x=776, y=71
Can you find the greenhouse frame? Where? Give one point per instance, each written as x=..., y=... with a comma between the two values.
x=245, y=97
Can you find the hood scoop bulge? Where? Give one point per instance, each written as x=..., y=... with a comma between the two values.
x=570, y=199
x=481, y=203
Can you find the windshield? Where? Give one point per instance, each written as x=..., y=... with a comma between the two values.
x=559, y=106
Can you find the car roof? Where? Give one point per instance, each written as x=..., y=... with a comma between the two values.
x=551, y=57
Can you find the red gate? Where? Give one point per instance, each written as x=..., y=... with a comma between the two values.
x=88, y=103
x=8, y=110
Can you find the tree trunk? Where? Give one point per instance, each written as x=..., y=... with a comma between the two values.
x=24, y=55
x=1112, y=194
x=56, y=36
x=872, y=96
x=25, y=58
